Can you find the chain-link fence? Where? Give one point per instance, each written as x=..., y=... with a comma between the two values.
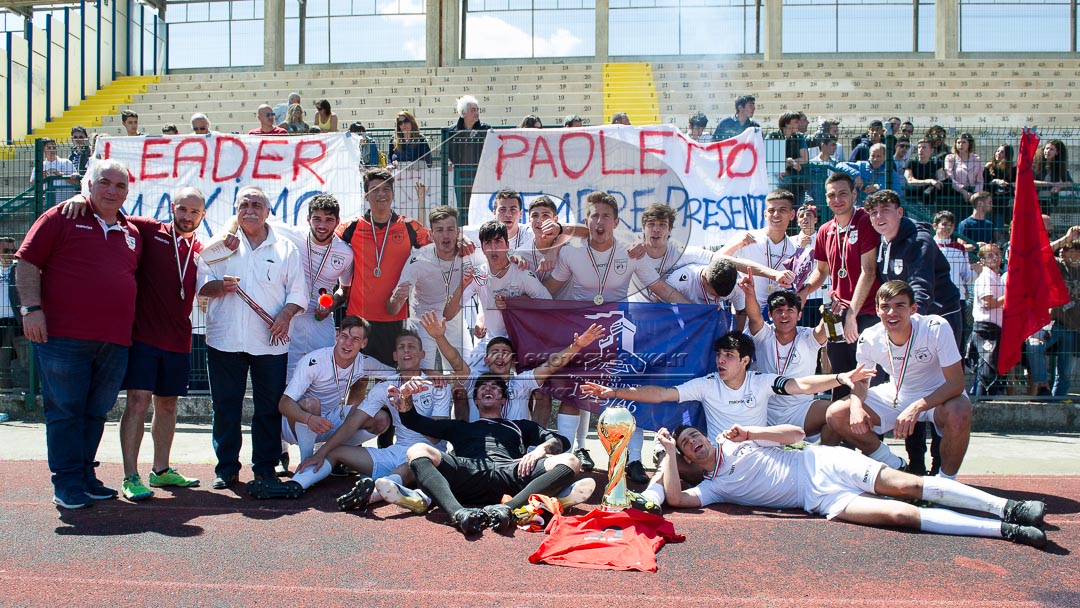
x=438, y=167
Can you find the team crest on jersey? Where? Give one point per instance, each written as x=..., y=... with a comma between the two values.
x=130, y=240
x=683, y=278
x=312, y=362
x=853, y=236
x=398, y=237
x=897, y=266
x=620, y=266
x=337, y=262
x=922, y=355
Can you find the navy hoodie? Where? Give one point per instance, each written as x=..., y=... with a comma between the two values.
x=913, y=256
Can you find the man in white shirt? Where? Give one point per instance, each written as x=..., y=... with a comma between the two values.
x=926, y=383
x=665, y=256
x=66, y=176
x=989, y=302
x=732, y=394
x=254, y=295
x=785, y=348
x=508, y=208
x=770, y=245
x=430, y=277
x=749, y=466
x=713, y=283
x=341, y=446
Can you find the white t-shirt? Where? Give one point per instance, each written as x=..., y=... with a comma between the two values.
x=578, y=268
x=687, y=281
x=794, y=360
x=724, y=407
x=433, y=280
x=520, y=388
x=988, y=283
x=933, y=348
x=318, y=376
x=433, y=403
x=61, y=190
x=338, y=267
x=675, y=259
x=514, y=284
x=764, y=251
x=753, y=473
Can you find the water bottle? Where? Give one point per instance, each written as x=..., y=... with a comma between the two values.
x=4, y=417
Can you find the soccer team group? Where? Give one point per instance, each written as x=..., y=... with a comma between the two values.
x=107, y=300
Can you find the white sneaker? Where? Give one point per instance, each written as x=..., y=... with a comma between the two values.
x=413, y=500
x=577, y=492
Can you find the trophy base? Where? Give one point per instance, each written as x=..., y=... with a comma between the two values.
x=613, y=508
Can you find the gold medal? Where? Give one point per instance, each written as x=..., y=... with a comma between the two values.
x=598, y=300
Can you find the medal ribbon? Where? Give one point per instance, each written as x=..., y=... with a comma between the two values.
x=182, y=270
x=719, y=461
x=787, y=361
x=898, y=379
x=326, y=256
x=348, y=382
x=509, y=424
x=379, y=251
x=601, y=281
x=259, y=310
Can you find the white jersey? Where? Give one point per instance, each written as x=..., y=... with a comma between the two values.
x=318, y=376
x=795, y=360
x=433, y=403
x=724, y=407
x=989, y=283
x=584, y=272
x=434, y=280
x=687, y=281
x=514, y=283
x=521, y=241
x=764, y=251
x=324, y=266
x=520, y=388
x=673, y=259
x=755, y=473
x=917, y=370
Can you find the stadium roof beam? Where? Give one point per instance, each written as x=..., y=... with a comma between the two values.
x=25, y=7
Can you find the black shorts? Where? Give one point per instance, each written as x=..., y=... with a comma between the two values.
x=162, y=372
x=480, y=481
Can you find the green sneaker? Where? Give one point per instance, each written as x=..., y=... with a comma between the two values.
x=171, y=478
x=133, y=488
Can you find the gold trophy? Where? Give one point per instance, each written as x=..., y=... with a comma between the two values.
x=614, y=429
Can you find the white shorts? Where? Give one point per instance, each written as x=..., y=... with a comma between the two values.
x=834, y=476
x=792, y=414
x=306, y=334
x=879, y=399
x=385, y=460
x=335, y=418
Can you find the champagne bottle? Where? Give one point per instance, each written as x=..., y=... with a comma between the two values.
x=834, y=327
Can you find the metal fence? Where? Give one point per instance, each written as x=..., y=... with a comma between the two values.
x=449, y=183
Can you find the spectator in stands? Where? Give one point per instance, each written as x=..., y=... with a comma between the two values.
x=803, y=123
x=465, y=145
x=130, y=119
x=265, y=114
x=532, y=121
x=573, y=121
x=325, y=118
x=827, y=128
x=962, y=271
x=826, y=150
x=964, y=167
x=979, y=228
x=745, y=106
x=1051, y=170
x=925, y=174
x=13, y=345
x=1060, y=341
x=795, y=156
x=169, y=129
x=369, y=151
x=80, y=148
x=873, y=174
x=817, y=170
x=408, y=144
x=620, y=118
x=907, y=129
x=200, y=124
x=901, y=153
x=861, y=149
x=896, y=123
x=294, y=121
x=281, y=110
x=77, y=285
x=936, y=135
x=989, y=300
x=61, y=178
x=999, y=176
x=696, y=127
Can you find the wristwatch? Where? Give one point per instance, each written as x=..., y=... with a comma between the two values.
x=25, y=310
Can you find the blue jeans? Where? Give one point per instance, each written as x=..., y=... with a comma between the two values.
x=80, y=380
x=228, y=383
x=1061, y=344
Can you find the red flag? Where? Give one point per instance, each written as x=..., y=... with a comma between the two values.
x=1034, y=284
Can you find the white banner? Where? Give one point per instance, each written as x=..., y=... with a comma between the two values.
x=718, y=189
x=290, y=169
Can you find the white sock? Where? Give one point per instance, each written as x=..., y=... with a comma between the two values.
x=944, y=475
x=584, y=418
x=944, y=521
x=951, y=493
x=309, y=477
x=636, y=441
x=885, y=455
x=655, y=493
x=305, y=439
x=567, y=426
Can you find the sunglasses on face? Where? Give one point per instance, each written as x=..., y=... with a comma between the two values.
x=404, y=121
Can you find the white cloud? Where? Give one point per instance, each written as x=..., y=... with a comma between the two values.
x=492, y=37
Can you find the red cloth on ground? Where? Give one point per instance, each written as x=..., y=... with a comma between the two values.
x=1034, y=284
x=601, y=540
